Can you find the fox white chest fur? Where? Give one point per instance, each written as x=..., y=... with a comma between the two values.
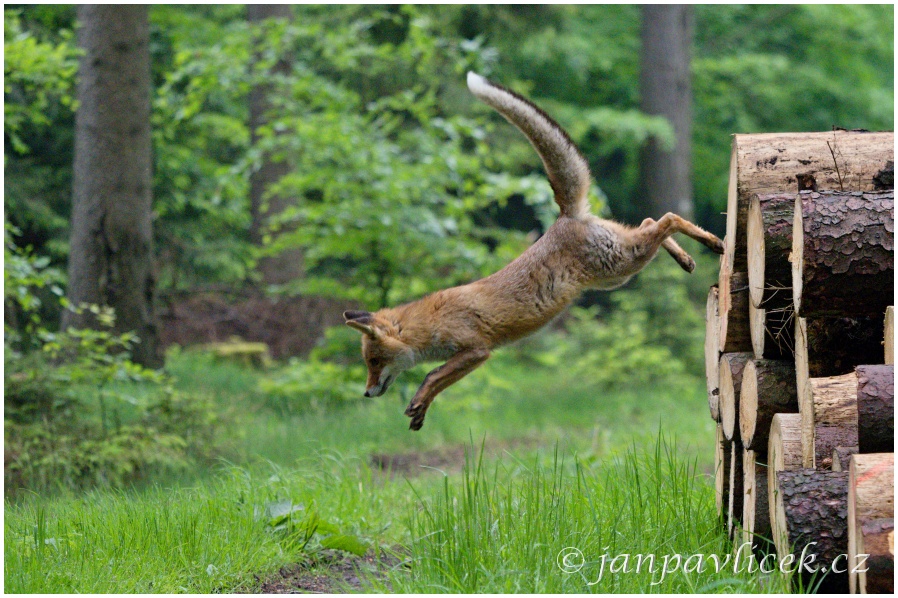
x=461, y=325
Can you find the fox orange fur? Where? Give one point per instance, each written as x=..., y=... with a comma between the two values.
x=461, y=325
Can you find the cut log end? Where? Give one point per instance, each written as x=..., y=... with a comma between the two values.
x=768, y=388
x=871, y=512
x=732, y=366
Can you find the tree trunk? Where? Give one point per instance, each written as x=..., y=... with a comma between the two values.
x=789, y=162
x=889, y=336
x=875, y=408
x=666, y=89
x=712, y=353
x=287, y=265
x=871, y=513
x=768, y=388
x=732, y=366
x=769, y=243
x=772, y=332
x=841, y=457
x=830, y=347
x=111, y=257
x=732, y=310
x=755, y=510
x=843, y=254
x=736, y=492
x=813, y=505
x=783, y=454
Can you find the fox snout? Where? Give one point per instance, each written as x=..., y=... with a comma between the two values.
x=378, y=385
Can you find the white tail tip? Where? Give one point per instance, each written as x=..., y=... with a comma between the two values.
x=476, y=82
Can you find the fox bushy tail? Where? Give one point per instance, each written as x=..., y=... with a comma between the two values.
x=567, y=168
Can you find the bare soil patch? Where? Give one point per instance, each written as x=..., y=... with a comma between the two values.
x=336, y=573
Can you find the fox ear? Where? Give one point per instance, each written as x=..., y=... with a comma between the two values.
x=361, y=321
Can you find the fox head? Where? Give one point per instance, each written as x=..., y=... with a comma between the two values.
x=385, y=355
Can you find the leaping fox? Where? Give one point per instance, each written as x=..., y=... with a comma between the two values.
x=461, y=325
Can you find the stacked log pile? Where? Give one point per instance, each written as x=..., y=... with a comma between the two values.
x=799, y=352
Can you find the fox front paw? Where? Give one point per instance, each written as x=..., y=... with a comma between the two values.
x=416, y=411
x=716, y=246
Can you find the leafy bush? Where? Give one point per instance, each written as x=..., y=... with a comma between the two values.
x=77, y=411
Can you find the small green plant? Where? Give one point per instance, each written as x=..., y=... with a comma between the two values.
x=293, y=524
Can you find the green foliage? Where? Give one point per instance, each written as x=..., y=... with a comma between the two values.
x=313, y=384
x=295, y=526
x=38, y=77
x=77, y=411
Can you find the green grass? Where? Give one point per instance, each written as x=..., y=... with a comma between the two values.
x=592, y=474
x=503, y=527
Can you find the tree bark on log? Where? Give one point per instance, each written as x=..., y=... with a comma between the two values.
x=788, y=162
x=755, y=510
x=871, y=511
x=721, y=474
x=769, y=233
x=735, y=507
x=889, y=336
x=843, y=254
x=712, y=353
x=732, y=310
x=813, y=505
x=875, y=408
x=783, y=454
x=841, y=457
x=732, y=366
x=768, y=388
x=835, y=418
x=772, y=332
x=830, y=347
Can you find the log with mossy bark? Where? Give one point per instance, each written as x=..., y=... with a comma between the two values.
x=871, y=527
x=767, y=163
x=768, y=388
x=843, y=254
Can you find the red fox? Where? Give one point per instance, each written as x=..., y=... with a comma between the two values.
x=461, y=325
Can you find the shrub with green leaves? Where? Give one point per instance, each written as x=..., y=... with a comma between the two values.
x=78, y=411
